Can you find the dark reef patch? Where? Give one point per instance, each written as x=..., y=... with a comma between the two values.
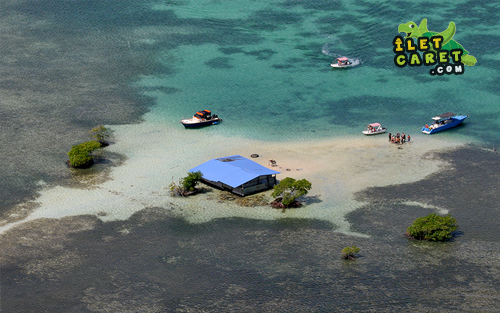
x=219, y=63
x=466, y=187
x=157, y=261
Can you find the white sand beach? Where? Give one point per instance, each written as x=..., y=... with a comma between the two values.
x=157, y=154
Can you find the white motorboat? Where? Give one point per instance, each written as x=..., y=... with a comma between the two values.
x=201, y=118
x=342, y=62
x=374, y=129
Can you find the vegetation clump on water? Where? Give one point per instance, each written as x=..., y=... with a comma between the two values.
x=350, y=253
x=186, y=185
x=100, y=134
x=287, y=192
x=432, y=227
x=79, y=155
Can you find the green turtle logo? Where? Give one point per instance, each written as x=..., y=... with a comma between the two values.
x=447, y=43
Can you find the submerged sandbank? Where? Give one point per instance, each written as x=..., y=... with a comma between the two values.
x=157, y=154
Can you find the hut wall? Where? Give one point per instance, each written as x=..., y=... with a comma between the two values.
x=217, y=184
x=258, y=184
x=255, y=185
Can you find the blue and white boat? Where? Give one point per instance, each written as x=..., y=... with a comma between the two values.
x=443, y=122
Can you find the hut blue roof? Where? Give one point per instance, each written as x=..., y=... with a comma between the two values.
x=233, y=170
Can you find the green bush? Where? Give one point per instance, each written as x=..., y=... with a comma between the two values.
x=79, y=154
x=100, y=134
x=191, y=180
x=290, y=189
x=186, y=185
x=349, y=253
x=433, y=227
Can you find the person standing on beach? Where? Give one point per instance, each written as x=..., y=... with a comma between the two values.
x=390, y=136
x=408, y=138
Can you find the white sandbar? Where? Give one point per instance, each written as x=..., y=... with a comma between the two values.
x=158, y=153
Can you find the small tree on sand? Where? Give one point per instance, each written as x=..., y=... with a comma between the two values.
x=100, y=134
x=186, y=185
x=288, y=190
x=432, y=227
x=349, y=253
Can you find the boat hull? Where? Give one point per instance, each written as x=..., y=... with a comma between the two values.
x=335, y=65
x=455, y=121
x=369, y=133
x=191, y=124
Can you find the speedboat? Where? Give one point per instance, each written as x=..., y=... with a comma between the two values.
x=443, y=122
x=201, y=118
x=374, y=129
x=342, y=62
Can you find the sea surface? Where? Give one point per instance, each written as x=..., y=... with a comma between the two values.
x=112, y=239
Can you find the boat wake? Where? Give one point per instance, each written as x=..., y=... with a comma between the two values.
x=354, y=61
x=330, y=49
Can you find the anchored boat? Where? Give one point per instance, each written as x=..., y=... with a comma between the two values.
x=201, y=118
x=442, y=122
x=374, y=129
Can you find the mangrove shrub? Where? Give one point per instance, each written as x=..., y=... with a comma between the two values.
x=79, y=155
x=100, y=134
x=187, y=185
x=349, y=253
x=432, y=227
x=290, y=189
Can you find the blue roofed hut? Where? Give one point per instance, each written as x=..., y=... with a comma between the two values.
x=237, y=174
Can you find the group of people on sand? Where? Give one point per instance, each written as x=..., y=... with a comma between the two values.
x=399, y=139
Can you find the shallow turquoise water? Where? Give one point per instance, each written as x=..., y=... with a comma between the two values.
x=264, y=67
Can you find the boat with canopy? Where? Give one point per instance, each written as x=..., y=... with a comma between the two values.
x=374, y=129
x=342, y=62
